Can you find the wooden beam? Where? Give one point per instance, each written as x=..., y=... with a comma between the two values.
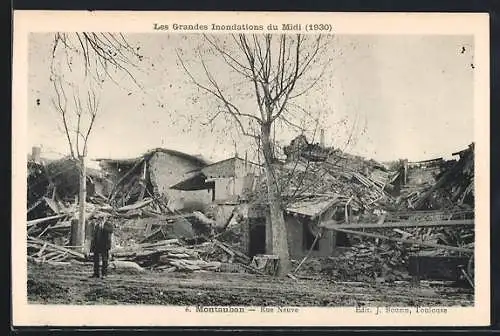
x=37, y=203
x=428, y=212
x=135, y=206
x=407, y=241
x=444, y=178
x=112, y=194
x=41, y=220
x=318, y=235
x=78, y=255
x=330, y=225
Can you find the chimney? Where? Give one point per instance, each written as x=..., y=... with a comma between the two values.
x=35, y=153
x=322, y=138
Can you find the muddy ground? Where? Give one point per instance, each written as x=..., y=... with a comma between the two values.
x=70, y=284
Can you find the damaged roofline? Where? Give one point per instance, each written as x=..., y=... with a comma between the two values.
x=195, y=182
x=221, y=161
x=199, y=160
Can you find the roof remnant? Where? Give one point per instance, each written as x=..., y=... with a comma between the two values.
x=194, y=158
x=312, y=207
x=194, y=181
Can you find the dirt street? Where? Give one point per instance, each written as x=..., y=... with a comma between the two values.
x=70, y=284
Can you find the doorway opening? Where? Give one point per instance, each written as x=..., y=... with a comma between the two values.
x=308, y=238
x=257, y=244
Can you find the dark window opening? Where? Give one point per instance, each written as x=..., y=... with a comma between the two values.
x=308, y=238
x=342, y=240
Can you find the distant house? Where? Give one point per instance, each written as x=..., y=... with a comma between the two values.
x=152, y=174
x=228, y=181
x=232, y=178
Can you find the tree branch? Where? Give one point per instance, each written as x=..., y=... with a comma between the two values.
x=60, y=104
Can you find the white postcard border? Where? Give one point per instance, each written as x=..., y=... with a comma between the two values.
x=342, y=23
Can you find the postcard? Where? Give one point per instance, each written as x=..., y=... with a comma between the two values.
x=250, y=169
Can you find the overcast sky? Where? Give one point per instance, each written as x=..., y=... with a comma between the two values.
x=404, y=97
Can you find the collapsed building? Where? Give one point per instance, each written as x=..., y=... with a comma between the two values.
x=151, y=175
x=340, y=200
x=333, y=202
x=324, y=188
x=230, y=182
x=440, y=183
x=53, y=184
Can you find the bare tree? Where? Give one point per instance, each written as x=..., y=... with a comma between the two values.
x=78, y=119
x=100, y=56
x=275, y=69
x=80, y=65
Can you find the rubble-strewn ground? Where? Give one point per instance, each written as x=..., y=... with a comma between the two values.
x=70, y=284
x=170, y=257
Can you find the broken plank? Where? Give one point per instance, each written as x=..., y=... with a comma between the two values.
x=251, y=269
x=60, y=248
x=50, y=255
x=62, y=225
x=45, y=219
x=238, y=253
x=407, y=241
x=173, y=241
x=135, y=206
x=223, y=247
x=36, y=204
x=330, y=225
x=320, y=232
x=58, y=257
x=151, y=235
x=40, y=252
x=168, y=217
x=115, y=187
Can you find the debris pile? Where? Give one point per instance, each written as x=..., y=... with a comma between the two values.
x=417, y=209
x=382, y=253
x=43, y=251
x=143, y=236
x=386, y=214
x=449, y=184
x=167, y=256
x=55, y=184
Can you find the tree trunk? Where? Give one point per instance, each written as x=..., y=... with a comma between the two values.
x=81, y=235
x=277, y=220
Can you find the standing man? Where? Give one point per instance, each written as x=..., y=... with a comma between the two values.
x=100, y=246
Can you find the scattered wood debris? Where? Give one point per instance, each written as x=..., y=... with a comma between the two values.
x=390, y=214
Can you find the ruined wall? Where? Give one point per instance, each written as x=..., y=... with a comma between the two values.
x=422, y=175
x=222, y=213
x=231, y=189
x=232, y=179
x=296, y=244
x=166, y=170
x=225, y=189
x=295, y=241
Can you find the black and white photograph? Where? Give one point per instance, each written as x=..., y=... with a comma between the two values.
x=252, y=167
